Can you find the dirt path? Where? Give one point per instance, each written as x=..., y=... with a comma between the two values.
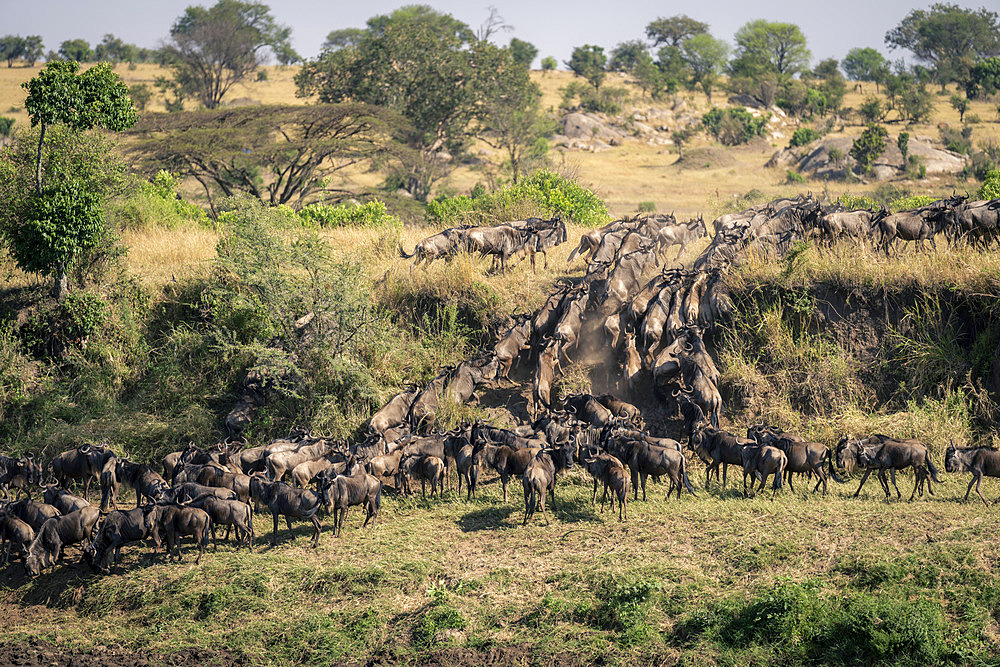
x=42, y=653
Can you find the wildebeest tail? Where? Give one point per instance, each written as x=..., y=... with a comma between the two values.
x=930, y=466
x=684, y=476
x=208, y=532
x=833, y=469
x=402, y=253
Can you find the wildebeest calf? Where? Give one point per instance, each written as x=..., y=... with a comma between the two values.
x=16, y=535
x=177, y=521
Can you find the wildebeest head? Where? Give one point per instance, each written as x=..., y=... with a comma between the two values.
x=952, y=462
x=846, y=453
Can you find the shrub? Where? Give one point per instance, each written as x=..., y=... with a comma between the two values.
x=646, y=207
x=155, y=203
x=735, y=125
x=370, y=214
x=803, y=136
x=854, y=202
x=544, y=192
x=6, y=126
x=915, y=168
x=959, y=141
x=866, y=148
x=792, y=176
x=991, y=186
x=908, y=202
x=67, y=323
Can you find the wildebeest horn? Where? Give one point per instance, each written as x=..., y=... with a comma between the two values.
x=84, y=449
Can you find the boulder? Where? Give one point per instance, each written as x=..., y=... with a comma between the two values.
x=814, y=159
x=588, y=127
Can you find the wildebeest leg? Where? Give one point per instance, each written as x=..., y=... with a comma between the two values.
x=864, y=478
x=788, y=478
x=274, y=532
x=635, y=483
x=215, y=542
x=503, y=482
x=971, y=482
x=978, y=479
x=821, y=478
x=724, y=468
x=892, y=474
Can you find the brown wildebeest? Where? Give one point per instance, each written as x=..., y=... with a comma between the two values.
x=806, y=457
x=632, y=365
x=426, y=468
x=977, y=460
x=539, y=478
x=340, y=492
x=644, y=459
x=545, y=372
x=280, y=498
x=571, y=321
x=852, y=225
x=506, y=461
x=883, y=453
x=465, y=464
x=146, y=482
x=56, y=534
x=20, y=473
x=424, y=407
x=622, y=409
x=718, y=448
x=611, y=473
x=501, y=242
x=83, y=463
x=681, y=234
x=177, y=521
x=228, y=513
x=441, y=245
x=761, y=461
x=14, y=534
x=393, y=413
x=470, y=374
x=63, y=500
x=280, y=463
x=512, y=343
x=385, y=465
x=31, y=512
x=117, y=529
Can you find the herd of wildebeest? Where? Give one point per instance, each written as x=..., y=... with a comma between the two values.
x=640, y=317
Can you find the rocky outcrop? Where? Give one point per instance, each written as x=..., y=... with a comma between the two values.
x=815, y=160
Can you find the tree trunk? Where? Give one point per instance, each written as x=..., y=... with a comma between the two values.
x=38, y=161
x=61, y=286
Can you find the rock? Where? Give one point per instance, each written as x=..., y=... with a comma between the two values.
x=746, y=101
x=588, y=126
x=642, y=128
x=816, y=160
x=783, y=159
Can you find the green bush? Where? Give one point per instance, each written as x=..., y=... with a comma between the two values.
x=792, y=176
x=542, y=193
x=869, y=146
x=909, y=202
x=991, y=186
x=155, y=203
x=735, y=125
x=370, y=214
x=6, y=126
x=854, y=202
x=67, y=323
x=646, y=207
x=959, y=141
x=803, y=136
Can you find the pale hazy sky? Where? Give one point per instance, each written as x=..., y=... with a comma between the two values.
x=832, y=27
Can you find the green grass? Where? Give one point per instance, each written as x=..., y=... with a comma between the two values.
x=712, y=579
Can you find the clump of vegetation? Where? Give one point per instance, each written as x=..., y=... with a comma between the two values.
x=868, y=147
x=957, y=140
x=803, y=136
x=792, y=176
x=991, y=186
x=155, y=203
x=543, y=193
x=370, y=214
x=734, y=125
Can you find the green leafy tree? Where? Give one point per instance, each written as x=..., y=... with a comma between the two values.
x=984, y=78
x=903, y=143
x=343, y=38
x=549, y=63
x=427, y=66
x=961, y=105
x=868, y=147
x=949, y=38
x=866, y=64
x=61, y=95
x=764, y=47
x=705, y=57
x=514, y=123
x=916, y=103
x=523, y=52
x=674, y=30
x=588, y=61
x=12, y=47
x=140, y=94
x=211, y=50
x=114, y=50
x=627, y=55
x=33, y=49
x=76, y=49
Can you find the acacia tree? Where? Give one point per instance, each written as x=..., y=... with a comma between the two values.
x=705, y=57
x=211, y=50
x=522, y=51
x=48, y=227
x=674, y=30
x=277, y=154
x=76, y=49
x=764, y=47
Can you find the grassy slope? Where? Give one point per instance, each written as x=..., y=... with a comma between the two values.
x=681, y=580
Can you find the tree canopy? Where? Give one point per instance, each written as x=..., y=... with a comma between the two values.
x=949, y=38
x=865, y=64
x=211, y=50
x=764, y=47
x=588, y=61
x=277, y=154
x=522, y=51
x=674, y=30
x=27, y=48
x=76, y=49
x=705, y=57
x=428, y=67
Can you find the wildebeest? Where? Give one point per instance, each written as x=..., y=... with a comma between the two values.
x=806, y=457
x=644, y=459
x=621, y=409
x=146, y=482
x=228, y=513
x=280, y=498
x=117, y=529
x=58, y=533
x=424, y=467
x=466, y=466
x=882, y=453
x=681, y=234
x=177, y=521
x=63, y=500
x=394, y=412
x=539, y=478
x=977, y=460
x=187, y=491
x=506, y=461
x=20, y=473
x=424, y=407
x=341, y=492
x=545, y=372
x=281, y=462
x=81, y=464
x=718, y=448
x=609, y=471
x=15, y=535
x=444, y=245
x=976, y=221
x=469, y=375
x=544, y=234
x=511, y=344
x=31, y=512
x=759, y=461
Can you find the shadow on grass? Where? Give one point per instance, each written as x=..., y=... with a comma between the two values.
x=488, y=518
